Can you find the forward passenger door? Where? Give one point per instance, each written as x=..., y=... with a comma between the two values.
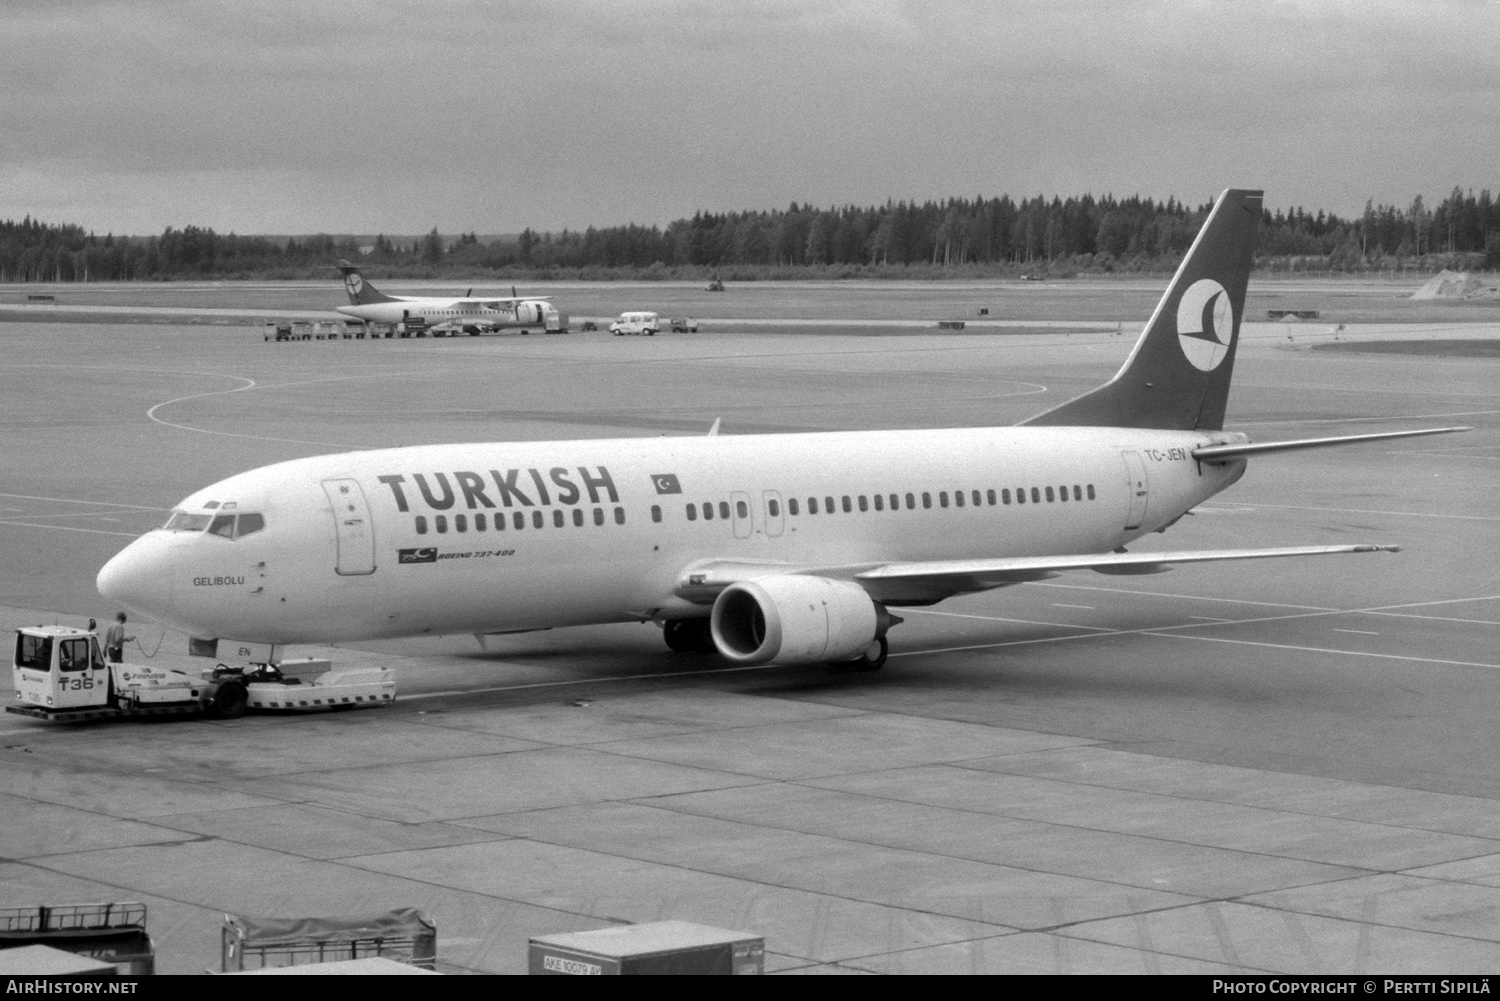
x=351, y=521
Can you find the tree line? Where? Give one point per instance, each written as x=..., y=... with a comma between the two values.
x=957, y=236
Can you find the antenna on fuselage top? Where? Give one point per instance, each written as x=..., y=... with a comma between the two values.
x=715, y=429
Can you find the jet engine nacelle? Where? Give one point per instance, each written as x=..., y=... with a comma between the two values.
x=794, y=620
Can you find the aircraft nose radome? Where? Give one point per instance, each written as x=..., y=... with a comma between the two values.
x=136, y=580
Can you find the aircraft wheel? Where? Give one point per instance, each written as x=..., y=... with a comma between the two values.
x=873, y=659
x=228, y=701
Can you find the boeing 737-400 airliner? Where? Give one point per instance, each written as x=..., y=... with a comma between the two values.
x=780, y=549
x=466, y=315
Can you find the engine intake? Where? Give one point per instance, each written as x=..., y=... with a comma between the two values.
x=795, y=620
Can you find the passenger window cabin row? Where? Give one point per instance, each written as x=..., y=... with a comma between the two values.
x=479, y=522
x=881, y=502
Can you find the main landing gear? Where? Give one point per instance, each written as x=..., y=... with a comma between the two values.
x=688, y=635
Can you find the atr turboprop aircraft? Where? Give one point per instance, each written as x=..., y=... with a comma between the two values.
x=779, y=549
x=467, y=315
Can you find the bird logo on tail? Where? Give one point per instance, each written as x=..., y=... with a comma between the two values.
x=1205, y=324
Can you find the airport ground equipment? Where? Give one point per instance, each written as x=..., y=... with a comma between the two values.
x=61, y=676
x=113, y=933
x=406, y=935
x=43, y=962
x=657, y=948
x=646, y=324
x=684, y=325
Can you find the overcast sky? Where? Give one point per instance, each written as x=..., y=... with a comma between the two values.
x=301, y=116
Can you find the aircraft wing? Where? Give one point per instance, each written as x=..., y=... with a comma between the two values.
x=909, y=581
x=497, y=303
x=932, y=581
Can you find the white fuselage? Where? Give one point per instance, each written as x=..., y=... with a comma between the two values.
x=484, y=314
x=497, y=537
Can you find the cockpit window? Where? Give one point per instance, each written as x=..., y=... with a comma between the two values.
x=227, y=525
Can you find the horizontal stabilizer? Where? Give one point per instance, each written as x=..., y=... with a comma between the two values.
x=1220, y=453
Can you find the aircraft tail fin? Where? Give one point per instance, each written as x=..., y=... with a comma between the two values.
x=1177, y=378
x=361, y=292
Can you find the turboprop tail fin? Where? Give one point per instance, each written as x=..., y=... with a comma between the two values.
x=1177, y=378
x=361, y=292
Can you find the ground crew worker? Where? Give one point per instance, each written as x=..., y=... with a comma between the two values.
x=115, y=640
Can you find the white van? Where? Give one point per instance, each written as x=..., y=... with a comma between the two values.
x=636, y=323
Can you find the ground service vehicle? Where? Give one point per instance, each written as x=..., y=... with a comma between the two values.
x=111, y=932
x=684, y=325
x=61, y=676
x=636, y=323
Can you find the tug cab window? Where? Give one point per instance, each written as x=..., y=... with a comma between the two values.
x=73, y=655
x=34, y=652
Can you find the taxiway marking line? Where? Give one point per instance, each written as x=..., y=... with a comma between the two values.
x=1172, y=631
x=1319, y=649
x=1001, y=618
x=1185, y=597
x=1438, y=618
x=1357, y=632
x=249, y=384
x=584, y=681
x=79, y=514
x=1356, y=510
x=1372, y=420
x=1058, y=604
x=69, y=528
x=66, y=500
